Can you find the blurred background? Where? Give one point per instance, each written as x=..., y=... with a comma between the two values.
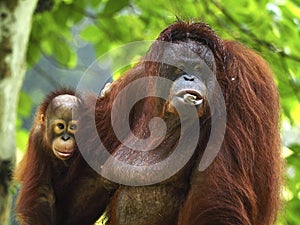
x=68, y=35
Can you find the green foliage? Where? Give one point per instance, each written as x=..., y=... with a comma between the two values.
x=270, y=27
x=51, y=34
x=293, y=186
x=24, y=111
x=112, y=7
x=89, y=33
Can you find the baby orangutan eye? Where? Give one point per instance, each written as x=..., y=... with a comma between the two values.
x=73, y=127
x=61, y=126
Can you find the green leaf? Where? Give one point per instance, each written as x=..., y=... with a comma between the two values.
x=25, y=105
x=113, y=6
x=22, y=139
x=64, y=54
x=33, y=54
x=94, y=3
x=73, y=59
x=90, y=33
x=68, y=15
x=295, y=148
x=68, y=1
x=46, y=47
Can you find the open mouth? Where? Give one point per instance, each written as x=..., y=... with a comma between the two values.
x=191, y=97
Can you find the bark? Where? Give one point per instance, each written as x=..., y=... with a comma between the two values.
x=15, y=27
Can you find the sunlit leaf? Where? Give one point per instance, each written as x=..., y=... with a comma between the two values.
x=25, y=105
x=295, y=148
x=64, y=54
x=46, y=47
x=22, y=139
x=33, y=54
x=94, y=3
x=113, y=6
x=90, y=33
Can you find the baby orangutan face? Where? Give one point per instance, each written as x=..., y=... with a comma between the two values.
x=60, y=125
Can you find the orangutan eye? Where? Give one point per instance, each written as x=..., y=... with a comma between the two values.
x=73, y=127
x=180, y=67
x=61, y=126
x=198, y=68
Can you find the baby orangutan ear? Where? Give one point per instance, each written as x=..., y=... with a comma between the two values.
x=42, y=118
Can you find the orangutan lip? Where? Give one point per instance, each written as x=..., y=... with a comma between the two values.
x=192, y=97
x=64, y=154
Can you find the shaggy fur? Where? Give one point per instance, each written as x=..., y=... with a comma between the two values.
x=242, y=185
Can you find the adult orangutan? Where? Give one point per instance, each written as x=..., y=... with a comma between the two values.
x=242, y=183
x=55, y=180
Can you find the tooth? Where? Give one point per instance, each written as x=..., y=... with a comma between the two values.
x=199, y=102
x=189, y=98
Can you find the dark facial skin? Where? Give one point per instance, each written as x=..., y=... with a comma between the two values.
x=192, y=69
x=61, y=127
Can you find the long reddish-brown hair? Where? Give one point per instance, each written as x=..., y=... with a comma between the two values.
x=242, y=186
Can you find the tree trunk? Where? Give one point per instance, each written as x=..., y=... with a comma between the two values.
x=15, y=26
